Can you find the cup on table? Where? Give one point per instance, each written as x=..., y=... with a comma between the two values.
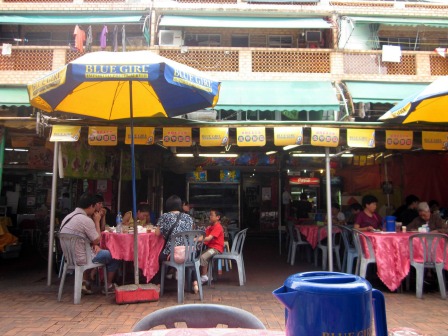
x=398, y=226
x=403, y=229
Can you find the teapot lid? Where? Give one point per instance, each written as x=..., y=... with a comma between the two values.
x=327, y=282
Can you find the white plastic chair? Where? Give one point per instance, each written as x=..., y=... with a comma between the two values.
x=236, y=253
x=189, y=239
x=199, y=316
x=296, y=242
x=350, y=252
x=363, y=260
x=68, y=245
x=321, y=245
x=433, y=258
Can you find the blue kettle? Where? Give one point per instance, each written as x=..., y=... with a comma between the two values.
x=330, y=303
x=389, y=223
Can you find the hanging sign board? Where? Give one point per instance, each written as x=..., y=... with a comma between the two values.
x=64, y=133
x=250, y=136
x=435, y=140
x=142, y=136
x=304, y=180
x=324, y=137
x=285, y=136
x=399, y=139
x=213, y=136
x=361, y=138
x=177, y=136
x=102, y=136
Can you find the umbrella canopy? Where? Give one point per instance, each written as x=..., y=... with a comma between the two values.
x=124, y=85
x=429, y=105
x=97, y=85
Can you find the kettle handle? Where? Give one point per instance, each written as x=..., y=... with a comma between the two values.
x=379, y=307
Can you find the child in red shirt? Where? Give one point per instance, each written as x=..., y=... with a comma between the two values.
x=214, y=241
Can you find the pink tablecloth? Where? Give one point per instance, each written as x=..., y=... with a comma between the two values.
x=121, y=246
x=311, y=231
x=392, y=256
x=205, y=332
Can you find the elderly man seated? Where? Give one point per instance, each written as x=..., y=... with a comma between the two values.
x=435, y=223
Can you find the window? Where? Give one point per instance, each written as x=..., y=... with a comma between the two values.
x=203, y=40
x=280, y=41
x=240, y=41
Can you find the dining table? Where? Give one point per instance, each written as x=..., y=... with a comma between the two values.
x=205, y=332
x=311, y=232
x=121, y=247
x=392, y=255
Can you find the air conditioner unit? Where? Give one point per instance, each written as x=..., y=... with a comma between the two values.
x=170, y=38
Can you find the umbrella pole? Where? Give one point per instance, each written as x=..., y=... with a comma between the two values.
x=329, y=219
x=54, y=185
x=134, y=194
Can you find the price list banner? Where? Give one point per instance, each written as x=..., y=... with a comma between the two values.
x=177, y=137
x=324, y=137
x=251, y=136
x=399, y=139
x=102, y=136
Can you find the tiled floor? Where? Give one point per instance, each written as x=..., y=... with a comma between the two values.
x=29, y=307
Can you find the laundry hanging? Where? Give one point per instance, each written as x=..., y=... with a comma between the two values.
x=80, y=37
x=89, y=39
x=115, y=38
x=123, y=38
x=103, y=38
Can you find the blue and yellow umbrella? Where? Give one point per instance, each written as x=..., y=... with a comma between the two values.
x=429, y=105
x=124, y=85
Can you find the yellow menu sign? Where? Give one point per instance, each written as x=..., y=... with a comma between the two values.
x=250, y=136
x=177, y=136
x=361, y=138
x=64, y=133
x=324, y=137
x=142, y=136
x=213, y=136
x=435, y=140
x=399, y=139
x=102, y=136
x=285, y=136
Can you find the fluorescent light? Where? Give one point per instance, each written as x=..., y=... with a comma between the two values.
x=48, y=173
x=184, y=155
x=271, y=152
x=290, y=147
x=218, y=155
x=16, y=149
x=318, y=155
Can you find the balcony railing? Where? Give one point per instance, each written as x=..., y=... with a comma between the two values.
x=248, y=63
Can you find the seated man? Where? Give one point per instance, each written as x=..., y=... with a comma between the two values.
x=143, y=212
x=80, y=223
x=435, y=223
x=214, y=241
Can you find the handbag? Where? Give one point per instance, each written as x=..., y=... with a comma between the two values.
x=179, y=254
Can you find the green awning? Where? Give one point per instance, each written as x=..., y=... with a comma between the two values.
x=33, y=19
x=242, y=22
x=391, y=21
x=381, y=92
x=277, y=96
x=14, y=96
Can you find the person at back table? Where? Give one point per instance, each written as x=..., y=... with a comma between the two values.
x=303, y=207
x=214, y=241
x=368, y=219
x=80, y=223
x=337, y=216
x=407, y=212
x=435, y=223
x=143, y=212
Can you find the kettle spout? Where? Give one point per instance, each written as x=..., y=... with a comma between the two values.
x=285, y=297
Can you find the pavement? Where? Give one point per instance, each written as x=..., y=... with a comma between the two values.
x=29, y=307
